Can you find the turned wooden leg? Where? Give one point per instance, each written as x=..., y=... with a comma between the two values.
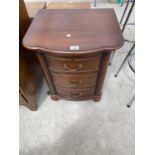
x=46, y=72
x=101, y=75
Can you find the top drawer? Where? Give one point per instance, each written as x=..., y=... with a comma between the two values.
x=73, y=65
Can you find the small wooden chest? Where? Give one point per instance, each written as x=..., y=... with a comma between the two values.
x=73, y=48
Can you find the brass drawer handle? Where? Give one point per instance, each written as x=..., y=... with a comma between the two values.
x=76, y=94
x=66, y=67
x=75, y=83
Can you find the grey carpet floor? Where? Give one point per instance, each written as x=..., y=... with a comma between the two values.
x=84, y=128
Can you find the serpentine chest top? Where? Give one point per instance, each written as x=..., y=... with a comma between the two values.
x=73, y=47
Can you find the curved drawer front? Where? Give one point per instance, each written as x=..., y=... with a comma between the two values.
x=75, y=80
x=72, y=65
x=75, y=93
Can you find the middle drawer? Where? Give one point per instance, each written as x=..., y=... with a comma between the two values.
x=74, y=80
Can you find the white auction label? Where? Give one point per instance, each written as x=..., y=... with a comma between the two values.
x=74, y=47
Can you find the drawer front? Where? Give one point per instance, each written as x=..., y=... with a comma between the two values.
x=75, y=93
x=75, y=80
x=72, y=65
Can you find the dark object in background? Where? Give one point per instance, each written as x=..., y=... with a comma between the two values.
x=29, y=71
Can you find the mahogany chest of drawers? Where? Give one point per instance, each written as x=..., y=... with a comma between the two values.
x=73, y=48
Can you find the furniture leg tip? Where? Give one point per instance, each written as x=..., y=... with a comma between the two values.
x=32, y=107
x=55, y=97
x=96, y=98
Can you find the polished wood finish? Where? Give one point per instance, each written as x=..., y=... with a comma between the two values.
x=46, y=72
x=72, y=80
x=101, y=75
x=68, y=5
x=24, y=20
x=57, y=30
x=29, y=70
x=72, y=51
x=73, y=65
x=75, y=94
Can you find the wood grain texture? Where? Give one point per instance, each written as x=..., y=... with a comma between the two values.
x=76, y=94
x=102, y=73
x=75, y=81
x=68, y=65
x=90, y=29
x=43, y=64
x=74, y=74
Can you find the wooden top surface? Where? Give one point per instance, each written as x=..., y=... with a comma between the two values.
x=74, y=31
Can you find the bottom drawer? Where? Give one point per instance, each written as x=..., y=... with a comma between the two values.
x=75, y=93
